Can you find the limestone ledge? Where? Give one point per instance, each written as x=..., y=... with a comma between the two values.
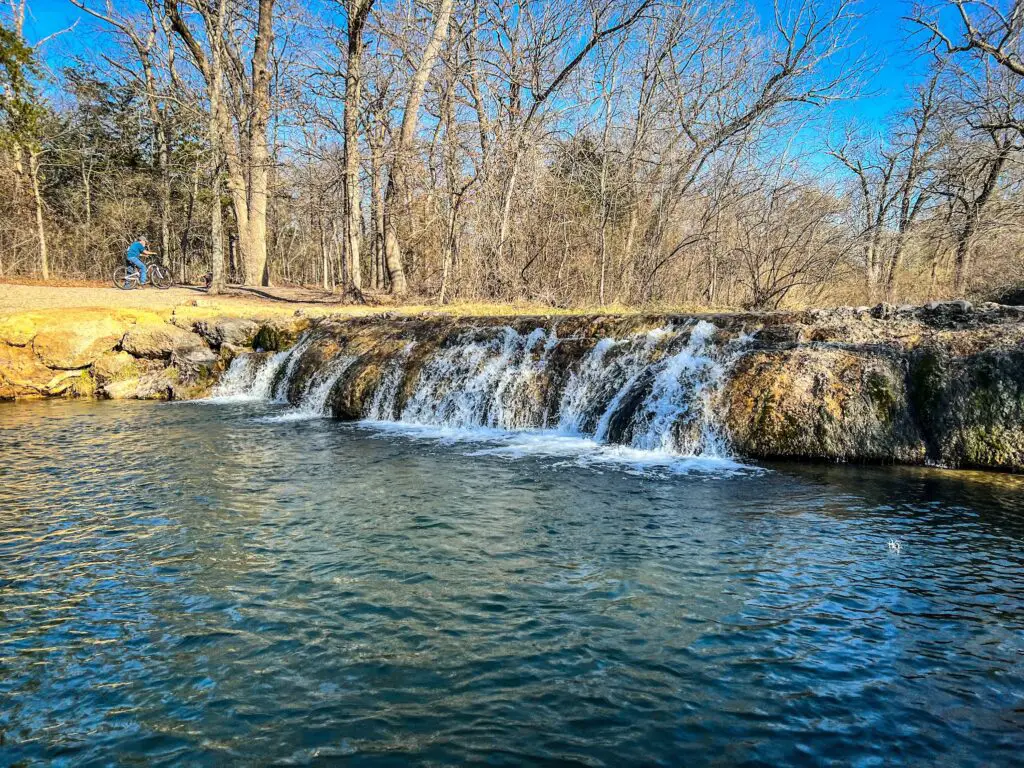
x=936, y=384
x=128, y=354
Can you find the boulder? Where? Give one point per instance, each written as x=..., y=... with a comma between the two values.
x=971, y=407
x=195, y=364
x=114, y=366
x=18, y=330
x=21, y=373
x=71, y=384
x=780, y=334
x=822, y=403
x=229, y=352
x=269, y=338
x=238, y=332
x=278, y=334
x=160, y=341
x=157, y=385
x=78, y=342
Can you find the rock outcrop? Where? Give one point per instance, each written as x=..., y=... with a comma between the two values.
x=160, y=341
x=942, y=384
x=122, y=354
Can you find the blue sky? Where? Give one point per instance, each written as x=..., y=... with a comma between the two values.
x=882, y=39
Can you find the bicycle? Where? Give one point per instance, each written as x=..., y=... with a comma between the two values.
x=127, y=277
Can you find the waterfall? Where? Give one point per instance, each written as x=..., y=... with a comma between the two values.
x=652, y=392
x=314, y=399
x=249, y=378
x=481, y=383
x=292, y=357
x=260, y=376
x=681, y=396
x=384, y=403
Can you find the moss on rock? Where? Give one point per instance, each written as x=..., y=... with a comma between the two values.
x=821, y=403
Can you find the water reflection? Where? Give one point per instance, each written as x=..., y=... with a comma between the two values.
x=182, y=583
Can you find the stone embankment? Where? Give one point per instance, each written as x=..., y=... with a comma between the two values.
x=943, y=383
x=127, y=354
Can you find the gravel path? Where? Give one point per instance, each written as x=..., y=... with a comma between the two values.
x=21, y=298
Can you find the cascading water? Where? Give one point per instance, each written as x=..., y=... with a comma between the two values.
x=674, y=412
x=482, y=384
x=291, y=360
x=259, y=377
x=249, y=378
x=313, y=402
x=649, y=393
x=382, y=407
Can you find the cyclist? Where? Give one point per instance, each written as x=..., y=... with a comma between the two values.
x=134, y=255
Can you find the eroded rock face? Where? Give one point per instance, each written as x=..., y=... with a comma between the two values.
x=238, y=332
x=19, y=330
x=971, y=407
x=115, y=366
x=156, y=385
x=822, y=403
x=118, y=353
x=160, y=341
x=21, y=373
x=942, y=383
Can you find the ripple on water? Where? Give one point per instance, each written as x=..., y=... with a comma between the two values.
x=190, y=585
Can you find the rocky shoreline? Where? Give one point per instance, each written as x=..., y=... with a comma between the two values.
x=127, y=354
x=941, y=383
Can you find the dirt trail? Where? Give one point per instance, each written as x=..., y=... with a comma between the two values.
x=21, y=298
x=248, y=302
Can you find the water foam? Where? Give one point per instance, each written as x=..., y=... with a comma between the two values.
x=662, y=384
x=558, y=449
x=481, y=383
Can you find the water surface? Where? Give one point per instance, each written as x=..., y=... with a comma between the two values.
x=201, y=584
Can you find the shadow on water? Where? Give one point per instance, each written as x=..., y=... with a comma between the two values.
x=195, y=584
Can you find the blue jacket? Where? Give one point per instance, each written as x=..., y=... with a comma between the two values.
x=135, y=250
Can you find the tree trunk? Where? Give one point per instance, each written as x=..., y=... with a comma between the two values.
x=358, y=13
x=186, y=232
x=216, y=236
x=215, y=135
x=165, y=194
x=965, y=242
x=44, y=256
x=325, y=257
x=255, y=259
x=870, y=268
x=395, y=197
x=375, y=137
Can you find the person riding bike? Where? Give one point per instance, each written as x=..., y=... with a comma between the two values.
x=134, y=255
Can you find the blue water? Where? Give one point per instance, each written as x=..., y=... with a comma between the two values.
x=196, y=584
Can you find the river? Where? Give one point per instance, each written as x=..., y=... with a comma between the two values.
x=234, y=583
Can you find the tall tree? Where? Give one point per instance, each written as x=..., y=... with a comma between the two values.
x=397, y=190
x=243, y=127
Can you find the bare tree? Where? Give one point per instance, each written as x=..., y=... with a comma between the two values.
x=358, y=14
x=987, y=27
x=892, y=182
x=243, y=125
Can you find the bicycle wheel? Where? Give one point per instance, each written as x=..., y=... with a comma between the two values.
x=126, y=278
x=160, y=276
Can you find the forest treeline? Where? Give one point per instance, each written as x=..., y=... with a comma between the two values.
x=568, y=152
